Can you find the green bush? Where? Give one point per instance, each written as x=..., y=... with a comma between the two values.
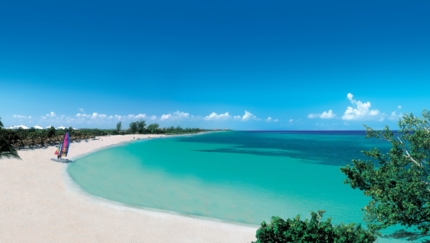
x=311, y=231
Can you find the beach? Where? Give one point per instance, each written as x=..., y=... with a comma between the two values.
x=38, y=203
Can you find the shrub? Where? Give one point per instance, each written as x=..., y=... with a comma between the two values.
x=311, y=231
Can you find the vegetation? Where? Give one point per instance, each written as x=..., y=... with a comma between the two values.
x=6, y=148
x=118, y=127
x=180, y=130
x=141, y=126
x=153, y=128
x=34, y=138
x=398, y=181
x=310, y=231
x=132, y=128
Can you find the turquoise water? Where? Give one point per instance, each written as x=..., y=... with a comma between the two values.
x=242, y=177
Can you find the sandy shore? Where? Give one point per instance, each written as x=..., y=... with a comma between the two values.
x=37, y=205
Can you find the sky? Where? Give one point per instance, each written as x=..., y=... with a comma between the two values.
x=243, y=65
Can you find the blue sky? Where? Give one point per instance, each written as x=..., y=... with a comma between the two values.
x=214, y=64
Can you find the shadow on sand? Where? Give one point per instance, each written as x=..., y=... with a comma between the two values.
x=61, y=160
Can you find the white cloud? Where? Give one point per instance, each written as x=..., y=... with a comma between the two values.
x=246, y=117
x=325, y=115
x=395, y=116
x=96, y=115
x=129, y=117
x=215, y=116
x=181, y=114
x=291, y=120
x=81, y=109
x=175, y=116
x=83, y=115
x=270, y=119
x=49, y=116
x=95, y=118
x=360, y=112
x=399, y=107
x=21, y=117
x=312, y=116
x=165, y=116
x=140, y=116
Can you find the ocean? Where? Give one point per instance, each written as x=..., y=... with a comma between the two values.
x=243, y=177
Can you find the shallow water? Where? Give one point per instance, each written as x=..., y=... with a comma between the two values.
x=242, y=177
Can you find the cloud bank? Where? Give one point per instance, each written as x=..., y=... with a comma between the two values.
x=359, y=110
x=214, y=116
x=325, y=115
x=246, y=117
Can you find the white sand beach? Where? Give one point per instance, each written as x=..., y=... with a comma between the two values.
x=38, y=205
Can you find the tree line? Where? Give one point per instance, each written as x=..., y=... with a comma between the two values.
x=35, y=138
x=139, y=127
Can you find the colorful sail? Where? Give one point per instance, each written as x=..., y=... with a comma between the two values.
x=58, y=149
x=63, y=149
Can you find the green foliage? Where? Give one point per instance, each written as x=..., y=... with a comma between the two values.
x=141, y=126
x=153, y=128
x=70, y=131
x=118, y=127
x=34, y=138
x=180, y=130
x=7, y=150
x=133, y=127
x=51, y=132
x=398, y=181
x=6, y=144
x=311, y=231
x=93, y=132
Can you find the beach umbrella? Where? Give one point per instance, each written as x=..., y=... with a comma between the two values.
x=37, y=127
x=22, y=126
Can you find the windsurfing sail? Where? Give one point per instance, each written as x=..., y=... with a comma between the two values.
x=63, y=149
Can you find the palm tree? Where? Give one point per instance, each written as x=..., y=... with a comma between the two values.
x=43, y=136
x=50, y=133
x=7, y=150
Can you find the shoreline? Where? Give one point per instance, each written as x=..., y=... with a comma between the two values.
x=41, y=203
x=73, y=186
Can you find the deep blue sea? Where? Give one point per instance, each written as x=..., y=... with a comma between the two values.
x=244, y=177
